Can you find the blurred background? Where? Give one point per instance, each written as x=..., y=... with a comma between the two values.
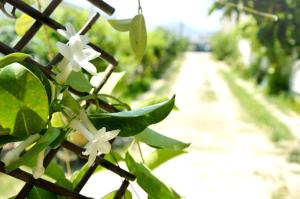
x=234, y=67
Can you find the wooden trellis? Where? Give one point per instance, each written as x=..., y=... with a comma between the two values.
x=42, y=18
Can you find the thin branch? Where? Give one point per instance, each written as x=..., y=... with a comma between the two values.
x=108, y=71
x=29, y=186
x=99, y=160
x=41, y=183
x=140, y=151
x=32, y=12
x=122, y=190
x=250, y=10
x=103, y=6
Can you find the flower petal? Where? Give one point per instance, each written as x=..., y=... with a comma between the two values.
x=89, y=67
x=90, y=54
x=85, y=39
x=104, y=147
x=64, y=50
x=110, y=135
x=70, y=30
x=75, y=65
x=92, y=157
x=76, y=45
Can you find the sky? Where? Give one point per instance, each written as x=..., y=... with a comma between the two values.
x=191, y=13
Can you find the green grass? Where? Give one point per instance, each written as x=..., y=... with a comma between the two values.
x=285, y=103
x=256, y=111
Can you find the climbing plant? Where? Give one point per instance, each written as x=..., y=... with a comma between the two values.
x=46, y=108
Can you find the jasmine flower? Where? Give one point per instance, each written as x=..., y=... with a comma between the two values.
x=98, y=139
x=70, y=32
x=15, y=153
x=78, y=55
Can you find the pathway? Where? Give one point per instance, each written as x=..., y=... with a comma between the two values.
x=228, y=157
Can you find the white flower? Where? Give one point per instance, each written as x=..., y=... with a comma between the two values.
x=78, y=126
x=39, y=169
x=100, y=144
x=15, y=153
x=78, y=54
x=98, y=139
x=70, y=32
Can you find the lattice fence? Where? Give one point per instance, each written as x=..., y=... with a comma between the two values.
x=42, y=18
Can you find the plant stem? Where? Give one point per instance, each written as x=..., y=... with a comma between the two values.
x=250, y=10
x=140, y=151
x=140, y=10
x=67, y=160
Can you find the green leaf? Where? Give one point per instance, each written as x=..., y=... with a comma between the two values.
x=57, y=120
x=77, y=175
x=121, y=25
x=133, y=122
x=152, y=101
x=38, y=193
x=8, y=138
x=12, y=58
x=69, y=101
x=154, y=139
x=151, y=184
x=23, y=101
x=78, y=81
x=160, y=156
x=111, y=195
x=138, y=36
x=19, y=58
x=50, y=135
x=23, y=23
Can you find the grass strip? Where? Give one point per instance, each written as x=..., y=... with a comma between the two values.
x=256, y=111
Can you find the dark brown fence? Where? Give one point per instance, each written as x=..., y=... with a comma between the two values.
x=42, y=18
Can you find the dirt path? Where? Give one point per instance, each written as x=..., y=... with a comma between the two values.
x=228, y=157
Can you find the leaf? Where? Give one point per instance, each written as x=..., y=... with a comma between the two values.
x=38, y=193
x=154, y=100
x=57, y=120
x=23, y=101
x=78, y=81
x=151, y=184
x=50, y=135
x=111, y=195
x=23, y=23
x=133, y=122
x=160, y=156
x=121, y=25
x=154, y=139
x=56, y=172
x=12, y=58
x=138, y=36
x=19, y=58
x=77, y=175
x=69, y=101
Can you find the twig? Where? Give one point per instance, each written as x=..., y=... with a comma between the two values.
x=41, y=183
x=250, y=10
x=122, y=190
x=99, y=160
x=32, y=12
